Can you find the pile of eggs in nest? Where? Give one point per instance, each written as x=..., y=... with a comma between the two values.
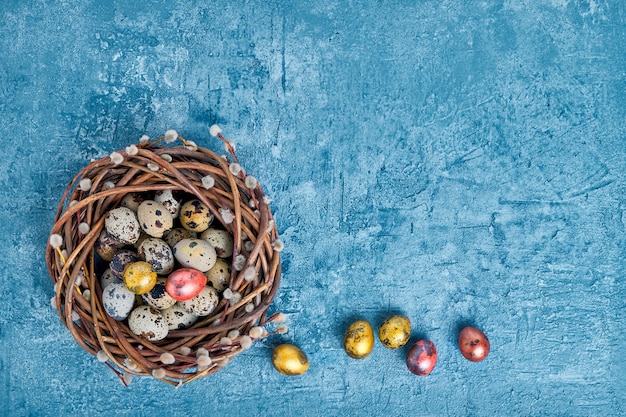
x=168, y=264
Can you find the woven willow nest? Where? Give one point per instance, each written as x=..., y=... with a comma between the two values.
x=238, y=204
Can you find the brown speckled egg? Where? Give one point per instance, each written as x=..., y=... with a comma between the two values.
x=221, y=240
x=195, y=253
x=202, y=304
x=195, y=216
x=148, y=322
x=219, y=275
x=121, y=260
x=169, y=201
x=176, y=235
x=157, y=253
x=154, y=218
x=132, y=201
x=122, y=224
x=106, y=246
x=177, y=318
x=157, y=297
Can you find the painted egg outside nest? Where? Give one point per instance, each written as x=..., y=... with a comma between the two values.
x=117, y=300
x=195, y=253
x=202, y=304
x=158, y=254
x=154, y=218
x=122, y=224
x=221, y=240
x=219, y=275
x=158, y=297
x=177, y=318
x=185, y=283
x=169, y=201
x=139, y=277
x=422, y=358
x=176, y=235
x=120, y=261
x=473, y=344
x=358, y=340
x=148, y=322
x=289, y=360
x=395, y=332
x=195, y=216
x=107, y=246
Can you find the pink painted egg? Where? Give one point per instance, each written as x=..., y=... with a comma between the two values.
x=185, y=283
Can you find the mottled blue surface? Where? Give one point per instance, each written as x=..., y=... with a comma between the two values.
x=458, y=162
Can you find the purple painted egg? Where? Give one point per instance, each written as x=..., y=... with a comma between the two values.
x=422, y=358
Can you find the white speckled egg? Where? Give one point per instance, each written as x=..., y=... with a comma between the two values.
x=121, y=260
x=117, y=300
x=195, y=253
x=122, y=224
x=148, y=322
x=132, y=201
x=202, y=304
x=169, y=201
x=219, y=275
x=107, y=277
x=178, y=318
x=195, y=216
x=154, y=218
x=176, y=235
x=157, y=297
x=221, y=240
x=158, y=254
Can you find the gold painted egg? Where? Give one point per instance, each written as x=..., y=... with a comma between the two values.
x=289, y=360
x=139, y=277
x=395, y=332
x=358, y=341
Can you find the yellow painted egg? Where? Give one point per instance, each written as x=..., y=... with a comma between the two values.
x=395, y=332
x=358, y=341
x=139, y=277
x=289, y=360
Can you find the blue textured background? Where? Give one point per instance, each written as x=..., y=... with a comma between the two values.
x=458, y=162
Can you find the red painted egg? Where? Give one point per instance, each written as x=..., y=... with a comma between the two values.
x=473, y=344
x=422, y=358
x=185, y=283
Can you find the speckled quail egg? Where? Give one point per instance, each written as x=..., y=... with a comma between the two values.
x=120, y=262
x=195, y=216
x=176, y=235
x=195, y=253
x=219, y=275
x=395, y=332
x=106, y=246
x=117, y=300
x=107, y=277
x=221, y=240
x=132, y=201
x=154, y=218
x=169, y=201
x=158, y=254
x=178, y=318
x=122, y=224
x=202, y=304
x=148, y=322
x=157, y=297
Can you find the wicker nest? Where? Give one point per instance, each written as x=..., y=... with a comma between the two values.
x=238, y=205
